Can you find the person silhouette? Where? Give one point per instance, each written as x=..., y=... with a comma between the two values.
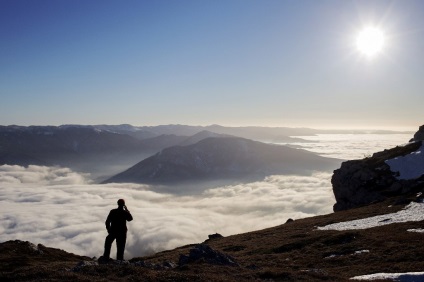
x=116, y=226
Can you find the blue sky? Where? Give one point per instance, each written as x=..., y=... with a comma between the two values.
x=232, y=62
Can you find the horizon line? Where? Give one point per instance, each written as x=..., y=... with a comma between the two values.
x=406, y=129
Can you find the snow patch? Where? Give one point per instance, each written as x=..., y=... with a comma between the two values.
x=410, y=166
x=408, y=276
x=412, y=212
x=361, y=252
x=351, y=254
x=418, y=230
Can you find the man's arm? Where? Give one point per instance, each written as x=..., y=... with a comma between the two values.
x=108, y=221
x=129, y=216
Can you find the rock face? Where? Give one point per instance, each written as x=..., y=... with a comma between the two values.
x=360, y=182
x=419, y=135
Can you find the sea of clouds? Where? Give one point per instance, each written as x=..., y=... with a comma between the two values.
x=54, y=207
x=350, y=146
x=61, y=208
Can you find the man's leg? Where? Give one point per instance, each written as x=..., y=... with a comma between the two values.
x=108, y=244
x=121, y=239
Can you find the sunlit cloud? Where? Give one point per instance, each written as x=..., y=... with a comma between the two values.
x=34, y=207
x=58, y=207
x=350, y=146
x=13, y=174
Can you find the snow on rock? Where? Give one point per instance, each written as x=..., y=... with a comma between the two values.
x=404, y=277
x=412, y=212
x=410, y=166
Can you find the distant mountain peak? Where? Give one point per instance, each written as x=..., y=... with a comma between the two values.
x=217, y=158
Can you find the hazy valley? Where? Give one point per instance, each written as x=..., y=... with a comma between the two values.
x=106, y=150
x=166, y=221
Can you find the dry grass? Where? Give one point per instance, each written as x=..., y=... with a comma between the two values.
x=379, y=158
x=295, y=251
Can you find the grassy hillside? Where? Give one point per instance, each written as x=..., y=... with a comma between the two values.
x=294, y=251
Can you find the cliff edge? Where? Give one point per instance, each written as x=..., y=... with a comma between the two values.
x=395, y=172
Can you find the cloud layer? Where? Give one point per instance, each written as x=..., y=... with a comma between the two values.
x=59, y=208
x=56, y=207
x=40, y=175
x=350, y=146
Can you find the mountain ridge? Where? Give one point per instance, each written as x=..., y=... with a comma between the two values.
x=217, y=158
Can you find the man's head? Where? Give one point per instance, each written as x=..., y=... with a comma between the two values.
x=121, y=202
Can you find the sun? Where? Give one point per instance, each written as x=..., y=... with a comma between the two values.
x=370, y=41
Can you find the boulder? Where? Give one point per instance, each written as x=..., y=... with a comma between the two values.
x=419, y=135
x=215, y=236
x=204, y=253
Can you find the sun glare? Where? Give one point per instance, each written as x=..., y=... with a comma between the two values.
x=370, y=41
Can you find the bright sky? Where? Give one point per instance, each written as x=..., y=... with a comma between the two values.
x=229, y=62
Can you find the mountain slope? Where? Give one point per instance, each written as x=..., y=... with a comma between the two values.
x=222, y=158
x=295, y=251
x=53, y=143
x=80, y=148
x=200, y=136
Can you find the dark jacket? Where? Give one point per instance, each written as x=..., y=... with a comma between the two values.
x=116, y=221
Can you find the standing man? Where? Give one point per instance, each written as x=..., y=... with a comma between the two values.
x=116, y=225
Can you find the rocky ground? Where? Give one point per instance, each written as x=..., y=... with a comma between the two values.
x=294, y=251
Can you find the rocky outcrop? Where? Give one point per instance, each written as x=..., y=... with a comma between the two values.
x=360, y=182
x=419, y=135
x=215, y=236
x=204, y=253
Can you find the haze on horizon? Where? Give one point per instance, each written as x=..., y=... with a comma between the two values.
x=233, y=63
x=38, y=204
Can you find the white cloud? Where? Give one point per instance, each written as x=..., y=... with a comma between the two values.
x=34, y=207
x=13, y=174
x=58, y=208
x=350, y=146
